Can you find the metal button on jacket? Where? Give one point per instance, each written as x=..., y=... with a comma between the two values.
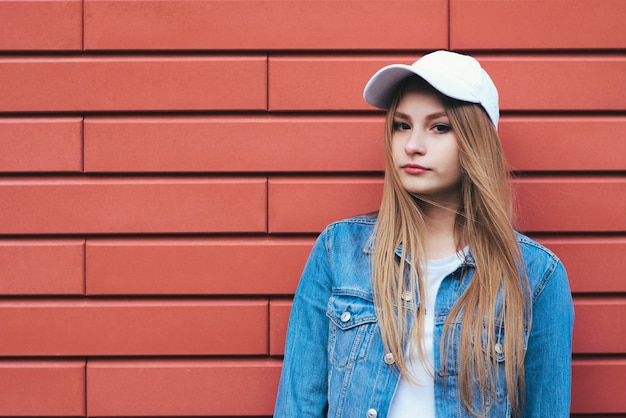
x=407, y=296
x=371, y=413
x=389, y=359
x=499, y=348
x=345, y=317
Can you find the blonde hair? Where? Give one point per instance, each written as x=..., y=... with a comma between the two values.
x=484, y=223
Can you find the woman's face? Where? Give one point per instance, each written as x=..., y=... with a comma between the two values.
x=424, y=148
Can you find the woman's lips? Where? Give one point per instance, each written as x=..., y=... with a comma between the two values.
x=414, y=169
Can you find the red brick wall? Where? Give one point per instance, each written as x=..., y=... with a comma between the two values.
x=165, y=166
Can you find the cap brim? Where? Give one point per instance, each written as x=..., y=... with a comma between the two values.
x=381, y=87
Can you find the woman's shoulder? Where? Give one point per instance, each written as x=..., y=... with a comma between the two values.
x=541, y=264
x=366, y=219
x=361, y=224
x=350, y=234
x=531, y=248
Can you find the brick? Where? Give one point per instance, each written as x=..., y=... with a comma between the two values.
x=235, y=387
x=41, y=25
x=594, y=264
x=133, y=327
x=544, y=83
x=233, y=144
x=572, y=204
x=216, y=266
x=299, y=204
x=597, y=319
x=42, y=267
x=41, y=144
x=265, y=25
x=597, y=416
x=562, y=143
x=42, y=387
x=598, y=386
x=108, y=83
x=555, y=24
x=525, y=83
x=117, y=205
x=279, y=320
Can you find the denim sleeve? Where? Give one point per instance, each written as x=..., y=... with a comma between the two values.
x=548, y=362
x=303, y=387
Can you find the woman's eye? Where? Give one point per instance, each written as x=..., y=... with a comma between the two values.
x=442, y=128
x=401, y=126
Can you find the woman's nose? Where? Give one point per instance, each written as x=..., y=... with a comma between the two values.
x=415, y=144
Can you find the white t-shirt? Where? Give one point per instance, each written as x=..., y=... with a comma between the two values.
x=418, y=401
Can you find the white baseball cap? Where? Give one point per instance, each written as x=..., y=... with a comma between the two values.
x=452, y=74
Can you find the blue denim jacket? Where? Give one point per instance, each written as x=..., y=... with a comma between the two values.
x=335, y=363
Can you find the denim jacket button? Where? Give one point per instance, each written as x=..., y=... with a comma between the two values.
x=499, y=348
x=345, y=317
x=407, y=296
x=389, y=359
x=371, y=413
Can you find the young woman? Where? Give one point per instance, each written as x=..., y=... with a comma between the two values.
x=434, y=306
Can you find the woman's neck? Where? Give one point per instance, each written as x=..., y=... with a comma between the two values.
x=440, y=223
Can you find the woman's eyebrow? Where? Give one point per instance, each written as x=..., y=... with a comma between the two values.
x=401, y=115
x=437, y=115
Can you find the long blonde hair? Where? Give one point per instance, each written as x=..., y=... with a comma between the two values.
x=498, y=292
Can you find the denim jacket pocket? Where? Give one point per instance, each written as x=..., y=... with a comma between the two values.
x=352, y=321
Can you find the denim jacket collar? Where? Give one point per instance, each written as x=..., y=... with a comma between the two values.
x=467, y=262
